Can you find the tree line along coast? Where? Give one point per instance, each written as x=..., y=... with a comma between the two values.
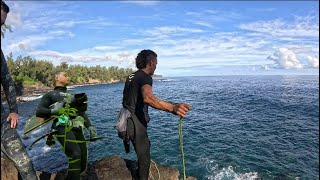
x=33, y=77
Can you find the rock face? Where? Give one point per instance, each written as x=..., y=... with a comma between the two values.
x=8, y=171
x=109, y=168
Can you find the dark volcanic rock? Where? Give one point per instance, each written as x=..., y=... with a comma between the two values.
x=8, y=171
x=108, y=168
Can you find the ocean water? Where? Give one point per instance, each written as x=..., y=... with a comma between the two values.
x=240, y=127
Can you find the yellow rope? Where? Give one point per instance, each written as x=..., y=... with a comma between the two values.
x=150, y=173
x=73, y=170
x=181, y=148
x=182, y=155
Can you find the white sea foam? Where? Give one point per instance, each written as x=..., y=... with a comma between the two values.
x=218, y=173
x=229, y=173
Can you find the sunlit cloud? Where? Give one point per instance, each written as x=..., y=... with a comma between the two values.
x=285, y=58
x=313, y=61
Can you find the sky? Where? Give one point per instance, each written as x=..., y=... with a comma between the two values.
x=191, y=38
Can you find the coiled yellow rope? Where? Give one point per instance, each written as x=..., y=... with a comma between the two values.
x=150, y=174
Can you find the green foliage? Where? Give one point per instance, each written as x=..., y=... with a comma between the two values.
x=28, y=71
x=67, y=113
x=27, y=80
x=4, y=28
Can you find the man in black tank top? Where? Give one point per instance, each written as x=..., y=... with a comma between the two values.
x=137, y=96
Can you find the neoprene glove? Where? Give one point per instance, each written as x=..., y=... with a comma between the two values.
x=56, y=107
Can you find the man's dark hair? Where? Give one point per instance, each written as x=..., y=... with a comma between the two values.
x=144, y=57
x=56, y=75
x=4, y=7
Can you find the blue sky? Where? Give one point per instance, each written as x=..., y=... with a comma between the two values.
x=190, y=37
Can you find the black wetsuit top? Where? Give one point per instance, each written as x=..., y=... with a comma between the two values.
x=132, y=95
x=8, y=88
x=58, y=94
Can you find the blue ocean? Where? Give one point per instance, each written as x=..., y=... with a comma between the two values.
x=240, y=127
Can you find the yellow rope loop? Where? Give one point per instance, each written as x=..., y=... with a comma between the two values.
x=150, y=173
x=73, y=161
x=181, y=147
x=76, y=141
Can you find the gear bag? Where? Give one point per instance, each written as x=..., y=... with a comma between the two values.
x=122, y=121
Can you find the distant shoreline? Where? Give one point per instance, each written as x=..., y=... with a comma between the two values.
x=33, y=92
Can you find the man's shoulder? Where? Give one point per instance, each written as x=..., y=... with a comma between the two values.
x=49, y=93
x=142, y=74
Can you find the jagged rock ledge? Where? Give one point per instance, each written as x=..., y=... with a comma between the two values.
x=108, y=168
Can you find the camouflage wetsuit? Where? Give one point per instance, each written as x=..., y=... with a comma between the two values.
x=11, y=144
x=76, y=151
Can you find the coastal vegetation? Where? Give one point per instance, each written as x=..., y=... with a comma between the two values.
x=29, y=71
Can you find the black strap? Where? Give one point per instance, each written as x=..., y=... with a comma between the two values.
x=50, y=133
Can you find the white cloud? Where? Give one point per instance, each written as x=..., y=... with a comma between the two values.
x=202, y=23
x=286, y=59
x=313, y=61
x=100, y=22
x=217, y=45
x=171, y=30
x=86, y=56
x=143, y=3
x=211, y=16
x=106, y=48
x=28, y=20
x=30, y=43
x=302, y=27
x=14, y=19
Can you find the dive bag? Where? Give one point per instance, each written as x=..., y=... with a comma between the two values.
x=80, y=102
x=122, y=121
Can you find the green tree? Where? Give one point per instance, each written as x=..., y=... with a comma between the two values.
x=5, y=28
x=28, y=70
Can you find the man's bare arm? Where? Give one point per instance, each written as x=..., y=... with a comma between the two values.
x=150, y=99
